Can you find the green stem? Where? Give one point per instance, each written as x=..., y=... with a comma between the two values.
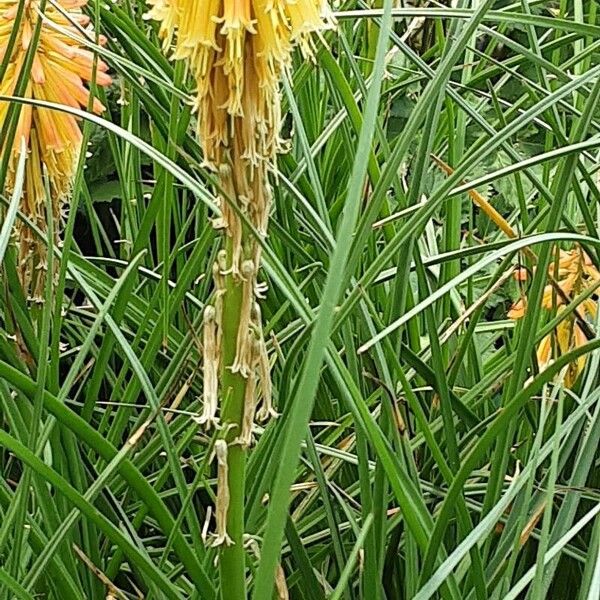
x=233, y=386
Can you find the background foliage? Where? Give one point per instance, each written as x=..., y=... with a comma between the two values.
x=438, y=460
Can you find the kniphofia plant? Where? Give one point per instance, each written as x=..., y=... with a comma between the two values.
x=237, y=51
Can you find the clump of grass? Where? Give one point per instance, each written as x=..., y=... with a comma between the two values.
x=441, y=166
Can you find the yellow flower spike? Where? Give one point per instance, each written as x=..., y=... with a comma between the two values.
x=237, y=50
x=60, y=70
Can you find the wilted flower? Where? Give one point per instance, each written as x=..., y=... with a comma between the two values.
x=61, y=67
x=575, y=273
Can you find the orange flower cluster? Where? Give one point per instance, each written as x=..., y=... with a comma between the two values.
x=61, y=67
x=575, y=274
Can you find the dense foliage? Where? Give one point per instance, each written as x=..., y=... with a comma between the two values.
x=431, y=318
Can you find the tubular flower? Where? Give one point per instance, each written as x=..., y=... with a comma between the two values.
x=237, y=51
x=575, y=274
x=60, y=69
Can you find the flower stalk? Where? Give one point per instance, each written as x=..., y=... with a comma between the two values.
x=232, y=558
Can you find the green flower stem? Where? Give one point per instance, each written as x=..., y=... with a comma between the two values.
x=232, y=560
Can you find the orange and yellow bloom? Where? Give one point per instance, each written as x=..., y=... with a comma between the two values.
x=575, y=273
x=60, y=70
x=237, y=51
